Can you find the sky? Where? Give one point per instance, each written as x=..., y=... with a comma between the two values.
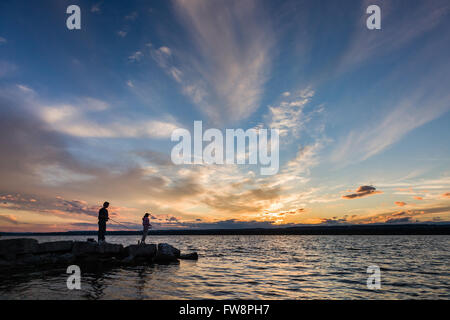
x=86, y=116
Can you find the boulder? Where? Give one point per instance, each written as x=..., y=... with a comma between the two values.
x=34, y=260
x=82, y=248
x=189, y=256
x=11, y=247
x=167, y=253
x=110, y=248
x=167, y=249
x=55, y=247
x=67, y=258
x=6, y=264
x=141, y=250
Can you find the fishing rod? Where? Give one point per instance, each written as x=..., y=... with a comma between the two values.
x=123, y=224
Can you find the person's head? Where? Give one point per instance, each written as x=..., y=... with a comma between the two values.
x=106, y=204
x=146, y=215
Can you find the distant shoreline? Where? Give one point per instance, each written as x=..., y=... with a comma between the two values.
x=404, y=229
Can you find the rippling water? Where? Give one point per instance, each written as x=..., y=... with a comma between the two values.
x=260, y=267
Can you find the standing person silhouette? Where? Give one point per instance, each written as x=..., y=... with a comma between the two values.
x=146, y=224
x=102, y=218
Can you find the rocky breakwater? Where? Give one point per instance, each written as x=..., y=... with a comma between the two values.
x=16, y=254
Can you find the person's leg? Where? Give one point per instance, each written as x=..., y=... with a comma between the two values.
x=102, y=230
x=144, y=234
x=99, y=234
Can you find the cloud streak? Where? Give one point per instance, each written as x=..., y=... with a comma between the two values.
x=362, y=191
x=226, y=69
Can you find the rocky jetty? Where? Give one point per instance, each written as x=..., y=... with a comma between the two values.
x=24, y=252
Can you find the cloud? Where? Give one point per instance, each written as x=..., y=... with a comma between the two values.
x=418, y=198
x=362, y=191
x=446, y=195
x=228, y=65
x=2, y=40
x=72, y=120
x=400, y=220
x=7, y=68
x=400, y=203
x=155, y=157
x=415, y=215
x=135, y=57
x=25, y=88
x=407, y=115
x=45, y=205
x=9, y=219
x=132, y=16
x=96, y=8
x=398, y=114
x=398, y=30
x=122, y=33
x=289, y=117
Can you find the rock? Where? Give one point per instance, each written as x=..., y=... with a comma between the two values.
x=141, y=250
x=28, y=253
x=110, y=248
x=29, y=259
x=166, y=253
x=127, y=260
x=67, y=258
x=80, y=248
x=6, y=264
x=167, y=249
x=11, y=247
x=56, y=246
x=189, y=256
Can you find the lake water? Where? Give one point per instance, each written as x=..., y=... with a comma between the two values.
x=260, y=267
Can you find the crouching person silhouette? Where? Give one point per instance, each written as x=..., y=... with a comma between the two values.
x=146, y=224
x=102, y=218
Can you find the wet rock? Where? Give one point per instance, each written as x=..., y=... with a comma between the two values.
x=128, y=260
x=25, y=254
x=11, y=247
x=141, y=250
x=83, y=248
x=29, y=259
x=189, y=256
x=110, y=248
x=6, y=264
x=166, y=253
x=55, y=246
x=67, y=258
x=167, y=249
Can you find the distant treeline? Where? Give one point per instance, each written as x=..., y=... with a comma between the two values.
x=404, y=229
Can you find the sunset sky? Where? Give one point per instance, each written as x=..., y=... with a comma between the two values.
x=86, y=115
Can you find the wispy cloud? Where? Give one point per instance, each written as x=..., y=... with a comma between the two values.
x=132, y=16
x=136, y=56
x=288, y=116
x=122, y=33
x=225, y=72
x=397, y=29
x=411, y=112
x=96, y=8
x=69, y=120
